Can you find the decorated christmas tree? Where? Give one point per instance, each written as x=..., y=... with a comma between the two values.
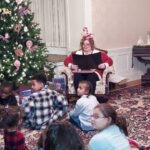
x=22, y=52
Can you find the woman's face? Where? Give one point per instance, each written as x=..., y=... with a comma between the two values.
x=99, y=122
x=86, y=46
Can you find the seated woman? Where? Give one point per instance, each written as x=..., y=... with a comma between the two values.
x=87, y=63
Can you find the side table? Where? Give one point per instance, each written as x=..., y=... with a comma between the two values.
x=139, y=52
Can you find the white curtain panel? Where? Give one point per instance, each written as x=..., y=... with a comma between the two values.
x=51, y=16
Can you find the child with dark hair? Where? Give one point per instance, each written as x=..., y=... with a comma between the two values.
x=6, y=95
x=112, y=129
x=60, y=136
x=81, y=114
x=13, y=138
x=38, y=81
x=44, y=105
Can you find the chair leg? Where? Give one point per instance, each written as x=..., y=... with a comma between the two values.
x=102, y=98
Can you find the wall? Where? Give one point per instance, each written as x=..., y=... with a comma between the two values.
x=79, y=16
x=117, y=26
x=125, y=65
x=119, y=23
x=75, y=23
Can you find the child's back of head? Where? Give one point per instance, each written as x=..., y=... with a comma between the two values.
x=61, y=136
x=38, y=81
x=10, y=116
x=13, y=138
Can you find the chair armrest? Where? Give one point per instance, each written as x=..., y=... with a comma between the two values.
x=69, y=79
x=103, y=84
x=108, y=70
x=68, y=71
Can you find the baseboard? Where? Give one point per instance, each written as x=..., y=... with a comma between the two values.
x=117, y=87
x=56, y=58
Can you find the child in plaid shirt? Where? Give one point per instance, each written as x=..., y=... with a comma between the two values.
x=13, y=138
x=44, y=105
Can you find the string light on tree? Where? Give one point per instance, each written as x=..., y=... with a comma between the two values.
x=7, y=1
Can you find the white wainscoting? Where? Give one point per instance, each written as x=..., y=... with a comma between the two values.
x=122, y=58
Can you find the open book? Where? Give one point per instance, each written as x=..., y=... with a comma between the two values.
x=84, y=71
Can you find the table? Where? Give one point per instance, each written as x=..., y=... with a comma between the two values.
x=142, y=53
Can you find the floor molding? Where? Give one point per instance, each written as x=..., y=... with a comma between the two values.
x=56, y=58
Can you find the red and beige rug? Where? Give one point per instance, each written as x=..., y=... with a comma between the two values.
x=133, y=103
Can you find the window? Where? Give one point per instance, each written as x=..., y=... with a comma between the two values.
x=51, y=16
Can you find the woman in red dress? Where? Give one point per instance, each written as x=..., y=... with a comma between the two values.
x=89, y=62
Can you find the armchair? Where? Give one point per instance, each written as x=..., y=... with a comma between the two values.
x=102, y=86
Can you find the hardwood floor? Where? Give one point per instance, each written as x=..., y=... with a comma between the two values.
x=115, y=87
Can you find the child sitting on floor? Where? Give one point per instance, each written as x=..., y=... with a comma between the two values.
x=6, y=95
x=44, y=105
x=81, y=114
x=60, y=136
x=13, y=138
x=111, y=127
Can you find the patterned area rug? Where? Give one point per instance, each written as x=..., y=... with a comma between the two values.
x=133, y=103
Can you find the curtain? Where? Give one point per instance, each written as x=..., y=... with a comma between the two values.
x=51, y=16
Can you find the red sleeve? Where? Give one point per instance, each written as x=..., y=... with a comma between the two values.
x=68, y=59
x=106, y=59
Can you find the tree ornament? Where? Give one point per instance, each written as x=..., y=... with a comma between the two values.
x=24, y=11
x=6, y=35
x=29, y=44
x=17, y=28
x=17, y=64
x=33, y=48
x=3, y=39
x=19, y=1
x=19, y=52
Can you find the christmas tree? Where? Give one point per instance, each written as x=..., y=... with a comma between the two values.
x=22, y=52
